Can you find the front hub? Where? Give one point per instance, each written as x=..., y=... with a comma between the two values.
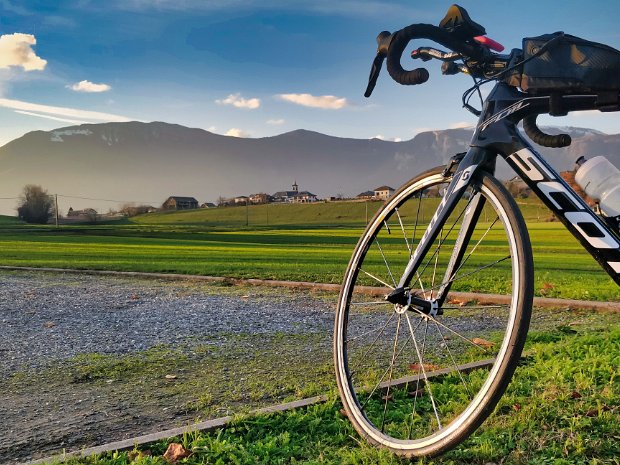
x=404, y=300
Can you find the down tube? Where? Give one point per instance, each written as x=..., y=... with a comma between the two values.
x=591, y=231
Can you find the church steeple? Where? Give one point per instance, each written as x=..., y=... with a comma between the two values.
x=295, y=186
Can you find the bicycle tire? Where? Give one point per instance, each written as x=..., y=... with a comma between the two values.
x=447, y=387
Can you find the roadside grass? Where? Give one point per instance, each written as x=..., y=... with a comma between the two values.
x=562, y=407
x=204, y=377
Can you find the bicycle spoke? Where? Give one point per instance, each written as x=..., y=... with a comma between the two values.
x=385, y=260
x=426, y=382
x=475, y=247
x=449, y=329
x=471, y=272
x=387, y=393
x=385, y=373
x=417, y=386
x=376, y=279
x=415, y=225
x=471, y=307
x=371, y=331
x=442, y=240
x=445, y=343
x=402, y=227
x=378, y=302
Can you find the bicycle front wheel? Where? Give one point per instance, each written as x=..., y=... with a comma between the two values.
x=416, y=381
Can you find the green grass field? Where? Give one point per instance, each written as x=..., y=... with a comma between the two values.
x=311, y=242
x=561, y=408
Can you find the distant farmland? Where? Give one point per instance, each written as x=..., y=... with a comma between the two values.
x=303, y=242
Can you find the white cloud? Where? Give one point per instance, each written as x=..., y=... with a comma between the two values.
x=329, y=102
x=54, y=118
x=235, y=132
x=276, y=122
x=60, y=112
x=462, y=125
x=392, y=139
x=87, y=86
x=237, y=101
x=16, y=50
x=211, y=128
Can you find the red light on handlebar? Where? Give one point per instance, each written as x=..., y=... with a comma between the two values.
x=484, y=40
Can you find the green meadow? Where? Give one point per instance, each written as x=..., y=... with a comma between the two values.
x=308, y=242
x=561, y=408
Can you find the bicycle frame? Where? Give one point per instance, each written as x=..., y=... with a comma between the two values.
x=497, y=135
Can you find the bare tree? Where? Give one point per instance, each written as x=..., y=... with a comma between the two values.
x=35, y=205
x=223, y=201
x=91, y=215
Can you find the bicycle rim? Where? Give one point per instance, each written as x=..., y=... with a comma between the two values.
x=415, y=383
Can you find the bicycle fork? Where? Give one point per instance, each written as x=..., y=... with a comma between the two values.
x=432, y=299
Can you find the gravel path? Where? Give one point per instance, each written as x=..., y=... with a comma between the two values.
x=48, y=319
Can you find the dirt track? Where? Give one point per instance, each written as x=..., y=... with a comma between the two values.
x=91, y=359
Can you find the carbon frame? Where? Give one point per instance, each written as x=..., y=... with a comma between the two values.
x=497, y=135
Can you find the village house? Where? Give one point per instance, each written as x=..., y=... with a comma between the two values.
x=286, y=196
x=367, y=195
x=304, y=197
x=87, y=212
x=180, y=203
x=518, y=188
x=383, y=192
x=208, y=205
x=260, y=198
x=241, y=200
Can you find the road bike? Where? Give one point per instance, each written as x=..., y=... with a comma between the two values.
x=418, y=368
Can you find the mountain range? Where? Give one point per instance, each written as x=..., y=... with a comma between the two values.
x=104, y=165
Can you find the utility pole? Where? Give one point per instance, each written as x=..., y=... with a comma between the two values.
x=56, y=207
x=247, y=212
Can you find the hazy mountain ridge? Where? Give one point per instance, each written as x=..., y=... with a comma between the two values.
x=147, y=162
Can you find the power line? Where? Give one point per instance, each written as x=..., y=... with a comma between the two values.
x=104, y=200
x=88, y=198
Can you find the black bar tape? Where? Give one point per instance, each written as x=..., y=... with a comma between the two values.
x=546, y=140
x=401, y=38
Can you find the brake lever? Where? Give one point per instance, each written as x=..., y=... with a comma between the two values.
x=383, y=42
x=374, y=74
x=428, y=53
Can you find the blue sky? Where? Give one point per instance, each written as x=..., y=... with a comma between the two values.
x=249, y=67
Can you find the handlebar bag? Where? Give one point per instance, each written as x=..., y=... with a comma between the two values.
x=569, y=65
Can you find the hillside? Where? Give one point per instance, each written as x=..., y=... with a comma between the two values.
x=147, y=162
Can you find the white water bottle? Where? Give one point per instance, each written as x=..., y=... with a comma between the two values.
x=601, y=181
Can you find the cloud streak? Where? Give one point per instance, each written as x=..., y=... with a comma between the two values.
x=61, y=112
x=239, y=102
x=53, y=118
x=16, y=50
x=326, y=102
x=90, y=87
x=356, y=8
x=276, y=122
